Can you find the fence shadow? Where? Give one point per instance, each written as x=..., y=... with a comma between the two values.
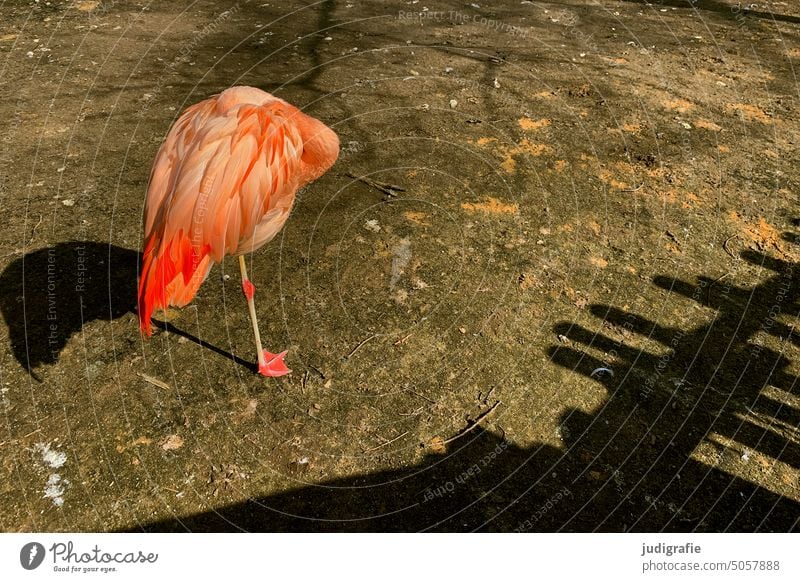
x=628, y=467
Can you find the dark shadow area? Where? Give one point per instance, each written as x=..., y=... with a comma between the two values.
x=716, y=383
x=733, y=12
x=49, y=294
x=631, y=466
x=487, y=484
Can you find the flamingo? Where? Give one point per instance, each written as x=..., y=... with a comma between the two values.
x=223, y=183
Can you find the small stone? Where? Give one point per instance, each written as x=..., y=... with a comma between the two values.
x=453, y=103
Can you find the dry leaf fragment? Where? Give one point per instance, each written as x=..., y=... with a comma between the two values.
x=172, y=442
x=436, y=444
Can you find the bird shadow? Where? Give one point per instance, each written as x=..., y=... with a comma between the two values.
x=163, y=325
x=50, y=294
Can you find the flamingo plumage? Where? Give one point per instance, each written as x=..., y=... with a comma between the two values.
x=223, y=183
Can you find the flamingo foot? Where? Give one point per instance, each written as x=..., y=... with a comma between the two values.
x=273, y=365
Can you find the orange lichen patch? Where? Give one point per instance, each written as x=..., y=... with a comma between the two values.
x=611, y=175
x=594, y=227
x=673, y=248
x=608, y=177
x=544, y=95
x=706, y=124
x=5, y=37
x=760, y=233
x=632, y=127
x=532, y=148
x=509, y=164
x=528, y=124
x=655, y=172
x=418, y=217
x=748, y=112
x=691, y=200
x=598, y=262
x=484, y=140
x=565, y=228
x=491, y=206
x=86, y=5
x=615, y=60
x=679, y=105
x=771, y=154
x=723, y=149
x=560, y=165
x=411, y=173
x=669, y=196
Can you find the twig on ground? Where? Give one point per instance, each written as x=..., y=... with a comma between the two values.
x=386, y=443
x=725, y=246
x=388, y=189
x=409, y=390
x=639, y=187
x=154, y=381
x=475, y=423
x=358, y=347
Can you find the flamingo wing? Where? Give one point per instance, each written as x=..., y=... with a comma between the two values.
x=223, y=183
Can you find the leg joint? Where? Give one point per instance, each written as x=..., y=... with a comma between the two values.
x=248, y=288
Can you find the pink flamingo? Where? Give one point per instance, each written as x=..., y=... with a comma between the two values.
x=223, y=183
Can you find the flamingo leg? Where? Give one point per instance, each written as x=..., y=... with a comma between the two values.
x=269, y=364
